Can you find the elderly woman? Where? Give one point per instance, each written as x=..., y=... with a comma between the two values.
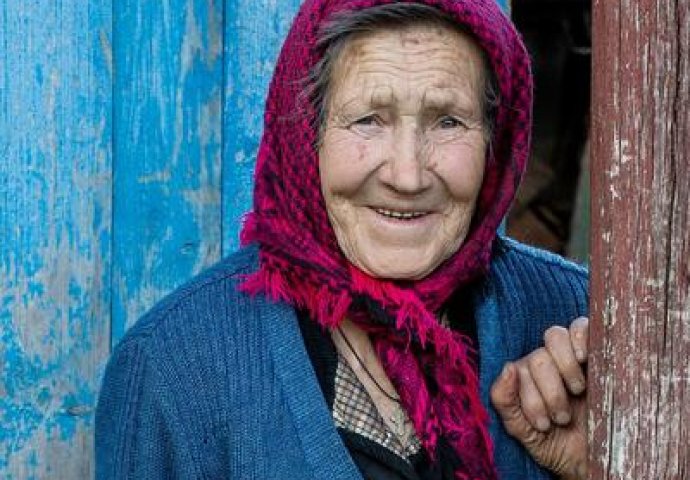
x=360, y=330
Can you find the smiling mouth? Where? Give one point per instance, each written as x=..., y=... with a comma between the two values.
x=399, y=215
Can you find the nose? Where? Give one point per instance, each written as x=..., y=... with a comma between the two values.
x=405, y=169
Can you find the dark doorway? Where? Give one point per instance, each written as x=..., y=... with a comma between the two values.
x=552, y=208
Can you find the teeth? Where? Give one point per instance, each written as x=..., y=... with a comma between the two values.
x=399, y=215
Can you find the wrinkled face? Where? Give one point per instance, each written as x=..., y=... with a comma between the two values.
x=403, y=151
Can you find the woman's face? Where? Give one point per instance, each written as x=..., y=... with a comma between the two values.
x=403, y=152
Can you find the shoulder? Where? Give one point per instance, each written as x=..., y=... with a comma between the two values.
x=172, y=380
x=204, y=298
x=194, y=331
x=528, y=290
x=509, y=252
x=536, y=273
x=200, y=340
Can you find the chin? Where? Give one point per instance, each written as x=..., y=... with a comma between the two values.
x=399, y=271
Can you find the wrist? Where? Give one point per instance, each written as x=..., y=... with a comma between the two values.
x=579, y=472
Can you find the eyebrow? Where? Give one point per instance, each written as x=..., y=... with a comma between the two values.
x=437, y=99
x=447, y=98
x=382, y=96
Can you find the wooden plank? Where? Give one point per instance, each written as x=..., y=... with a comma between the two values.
x=640, y=342
x=254, y=32
x=167, y=144
x=55, y=204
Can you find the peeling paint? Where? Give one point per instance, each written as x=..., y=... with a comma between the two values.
x=251, y=48
x=54, y=263
x=172, y=173
x=639, y=370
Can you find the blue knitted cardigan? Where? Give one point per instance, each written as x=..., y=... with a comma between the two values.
x=214, y=384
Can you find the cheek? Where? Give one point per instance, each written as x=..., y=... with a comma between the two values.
x=344, y=163
x=461, y=169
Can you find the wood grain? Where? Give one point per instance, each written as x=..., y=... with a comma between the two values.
x=640, y=363
x=167, y=143
x=55, y=232
x=254, y=31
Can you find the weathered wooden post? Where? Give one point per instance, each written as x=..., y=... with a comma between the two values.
x=640, y=343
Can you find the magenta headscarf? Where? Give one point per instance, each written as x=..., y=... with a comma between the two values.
x=301, y=263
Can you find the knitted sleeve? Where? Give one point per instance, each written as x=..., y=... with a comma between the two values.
x=137, y=436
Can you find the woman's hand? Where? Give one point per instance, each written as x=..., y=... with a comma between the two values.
x=540, y=399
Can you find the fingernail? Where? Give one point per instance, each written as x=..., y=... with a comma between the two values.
x=577, y=387
x=543, y=424
x=562, y=418
x=505, y=374
x=580, y=354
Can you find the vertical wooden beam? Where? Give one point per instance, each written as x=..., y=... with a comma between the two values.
x=254, y=32
x=55, y=209
x=640, y=338
x=167, y=149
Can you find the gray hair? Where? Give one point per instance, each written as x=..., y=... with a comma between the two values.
x=334, y=36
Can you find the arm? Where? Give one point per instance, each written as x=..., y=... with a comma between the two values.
x=135, y=434
x=540, y=399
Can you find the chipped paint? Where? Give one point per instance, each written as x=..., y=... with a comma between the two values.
x=172, y=173
x=640, y=342
x=251, y=49
x=55, y=229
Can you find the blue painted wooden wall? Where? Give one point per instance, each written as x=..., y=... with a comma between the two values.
x=127, y=137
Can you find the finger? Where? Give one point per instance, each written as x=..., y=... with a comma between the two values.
x=558, y=344
x=531, y=401
x=579, y=337
x=506, y=400
x=504, y=394
x=550, y=386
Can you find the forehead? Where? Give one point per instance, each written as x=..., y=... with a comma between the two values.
x=420, y=55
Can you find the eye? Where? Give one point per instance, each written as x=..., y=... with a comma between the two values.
x=367, y=125
x=447, y=122
x=366, y=121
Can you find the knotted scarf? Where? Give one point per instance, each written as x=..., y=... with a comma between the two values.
x=300, y=261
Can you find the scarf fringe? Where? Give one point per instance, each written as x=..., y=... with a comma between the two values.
x=319, y=301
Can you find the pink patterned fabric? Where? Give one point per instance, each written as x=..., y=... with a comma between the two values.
x=301, y=263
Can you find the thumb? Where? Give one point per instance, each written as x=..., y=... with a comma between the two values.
x=506, y=400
